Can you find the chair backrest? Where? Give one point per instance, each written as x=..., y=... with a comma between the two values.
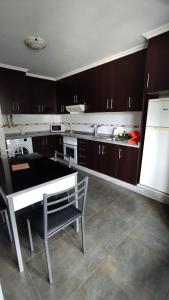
x=68, y=160
x=64, y=199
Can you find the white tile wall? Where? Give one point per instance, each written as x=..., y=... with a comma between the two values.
x=123, y=120
x=80, y=122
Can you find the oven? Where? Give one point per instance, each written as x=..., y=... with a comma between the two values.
x=70, y=148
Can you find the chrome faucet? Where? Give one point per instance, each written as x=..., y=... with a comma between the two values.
x=113, y=135
x=95, y=127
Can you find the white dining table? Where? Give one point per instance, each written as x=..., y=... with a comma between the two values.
x=29, y=196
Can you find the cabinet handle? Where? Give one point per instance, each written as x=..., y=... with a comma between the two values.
x=99, y=149
x=42, y=108
x=112, y=100
x=129, y=102
x=46, y=141
x=120, y=154
x=76, y=98
x=63, y=109
x=103, y=150
x=107, y=103
x=43, y=141
x=39, y=108
x=17, y=105
x=148, y=79
x=13, y=106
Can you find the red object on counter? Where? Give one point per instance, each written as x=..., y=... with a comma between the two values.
x=135, y=137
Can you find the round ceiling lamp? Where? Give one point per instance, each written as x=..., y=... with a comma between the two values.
x=35, y=43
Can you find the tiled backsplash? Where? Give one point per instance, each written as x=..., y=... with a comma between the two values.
x=78, y=122
x=122, y=120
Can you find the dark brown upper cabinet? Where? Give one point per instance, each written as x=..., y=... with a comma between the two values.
x=117, y=85
x=13, y=92
x=106, y=91
x=41, y=95
x=62, y=95
x=91, y=85
x=129, y=82
x=157, y=65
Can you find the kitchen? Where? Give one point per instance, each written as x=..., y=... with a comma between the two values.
x=111, y=103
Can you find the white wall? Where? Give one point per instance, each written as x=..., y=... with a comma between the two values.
x=80, y=122
x=123, y=120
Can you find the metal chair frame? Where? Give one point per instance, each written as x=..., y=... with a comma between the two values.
x=69, y=162
x=4, y=215
x=76, y=193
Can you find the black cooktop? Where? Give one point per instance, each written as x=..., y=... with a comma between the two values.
x=33, y=170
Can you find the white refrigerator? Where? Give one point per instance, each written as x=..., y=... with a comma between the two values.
x=155, y=160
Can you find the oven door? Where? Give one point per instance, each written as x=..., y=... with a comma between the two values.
x=70, y=151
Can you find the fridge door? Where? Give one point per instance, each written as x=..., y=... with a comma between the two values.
x=155, y=161
x=158, y=112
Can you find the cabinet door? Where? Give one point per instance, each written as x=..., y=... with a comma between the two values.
x=13, y=92
x=129, y=82
x=42, y=95
x=62, y=95
x=157, y=66
x=109, y=159
x=136, y=67
x=38, y=143
x=58, y=143
x=84, y=153
x=19, y=92
x=91, y=85
x=4, y=91
x=95, y=155
x=106, y=91
x=127, y=164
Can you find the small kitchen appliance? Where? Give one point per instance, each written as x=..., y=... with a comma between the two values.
x=57, y=127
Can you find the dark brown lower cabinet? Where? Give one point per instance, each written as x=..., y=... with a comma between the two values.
x=104, y=158
x=46, y=145
x=127, y=164
x=83, y=153
x=120, y=162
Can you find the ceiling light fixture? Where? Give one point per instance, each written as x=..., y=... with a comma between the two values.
x=35, y=43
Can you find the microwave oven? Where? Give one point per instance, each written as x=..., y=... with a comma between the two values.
x=57, y=128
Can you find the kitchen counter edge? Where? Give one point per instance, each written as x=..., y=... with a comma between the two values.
x=103, y=139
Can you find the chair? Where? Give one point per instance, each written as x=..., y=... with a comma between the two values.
x=57, y=213
x=4, y=213
x=59, y=155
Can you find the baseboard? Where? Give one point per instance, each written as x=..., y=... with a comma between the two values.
x=147, y=192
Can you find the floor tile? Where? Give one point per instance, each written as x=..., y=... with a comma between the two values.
x=69, y=267
x=18, y=286
x=141, y=273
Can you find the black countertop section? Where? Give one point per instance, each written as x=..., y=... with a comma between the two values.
x=41, y=169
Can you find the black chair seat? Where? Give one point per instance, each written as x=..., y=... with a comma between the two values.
x=55, y=220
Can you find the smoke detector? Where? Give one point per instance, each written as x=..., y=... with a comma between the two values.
x=35, y=43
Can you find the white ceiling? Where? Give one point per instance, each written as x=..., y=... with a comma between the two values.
x=78, y=32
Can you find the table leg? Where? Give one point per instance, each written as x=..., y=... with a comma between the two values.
x=15, y=235
x=77, y=221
